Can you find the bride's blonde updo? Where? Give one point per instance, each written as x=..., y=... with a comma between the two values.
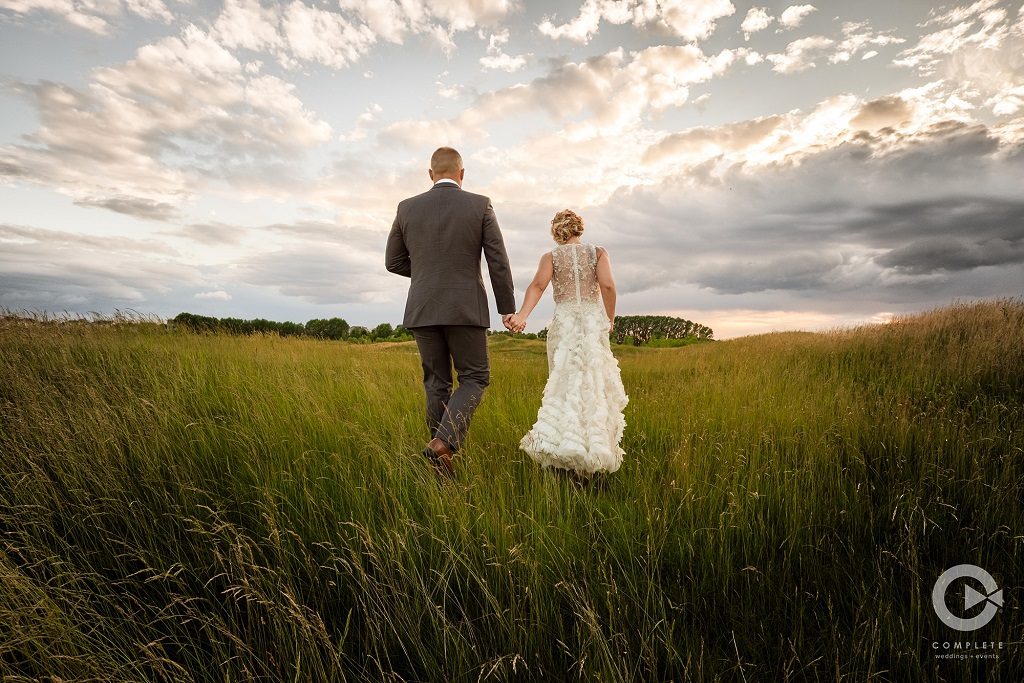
x=566, y=225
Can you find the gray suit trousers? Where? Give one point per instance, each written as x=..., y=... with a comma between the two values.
x=441, y=346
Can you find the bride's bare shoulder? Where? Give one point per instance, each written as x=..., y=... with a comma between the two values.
x=601, y=251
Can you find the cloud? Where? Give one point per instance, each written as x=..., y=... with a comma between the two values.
x=700, y=142
x=848, y=203
x=873, y=217
x=321, y=263
x=793, y=270
x=363, y=123
x=143, y=136
x=958, y=14
x=214, y=233
x=946, y=252
x=464, y=15
x=801, y=54
x=794, y=15
x=757, y=19
x=92, y=16
x=614, y=90
x=55, y=269
x=327, y=274
x=988, y=62
x=296, y=33
x=890, y=110
x=496, y=58
x=146, y=209
x=856, y=37
x=932, y=48
x=888, y=122
x=325, y=37
x=217, y=295
x=688, y=19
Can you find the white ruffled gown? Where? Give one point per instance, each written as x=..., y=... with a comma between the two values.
x=580, y=421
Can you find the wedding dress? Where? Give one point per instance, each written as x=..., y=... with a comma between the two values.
x=580, y=421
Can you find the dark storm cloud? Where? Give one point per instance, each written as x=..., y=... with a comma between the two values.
x=977, y=218
x=862, y=220
x=951, y=253
x=799, y=271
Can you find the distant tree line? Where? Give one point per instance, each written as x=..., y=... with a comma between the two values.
x=319, y=328
x=647, y=330
x=639, y=330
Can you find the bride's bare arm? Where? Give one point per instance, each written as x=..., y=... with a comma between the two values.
x=604, y=278
x=536, y=287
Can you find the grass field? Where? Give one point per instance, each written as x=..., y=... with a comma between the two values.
x=181, y=507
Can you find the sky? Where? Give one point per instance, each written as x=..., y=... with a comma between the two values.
x=750, y=167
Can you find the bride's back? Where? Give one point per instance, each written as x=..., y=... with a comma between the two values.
x=575, y=263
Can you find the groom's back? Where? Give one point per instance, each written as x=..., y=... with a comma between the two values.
x=444, y=230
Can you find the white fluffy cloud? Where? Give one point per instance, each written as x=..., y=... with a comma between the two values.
x=757, y=19
x=215, y=295
x=613, y=91
x=856, y=37
x=794, y=15
x=496, y=58
x=91, y=15
x=687, y=19
x=142, y=136
x=805, y=53
x=981, y=24
x=296, y=32
x=293, y=32
x=801, y=54
x=979, y=45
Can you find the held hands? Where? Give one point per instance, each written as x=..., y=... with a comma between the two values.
x=513, y=322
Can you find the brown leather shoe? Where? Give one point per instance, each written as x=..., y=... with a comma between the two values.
x=442, y=457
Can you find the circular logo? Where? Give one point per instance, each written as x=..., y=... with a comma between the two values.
x=992, y=597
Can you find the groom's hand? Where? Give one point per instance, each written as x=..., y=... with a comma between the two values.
x=513, y=323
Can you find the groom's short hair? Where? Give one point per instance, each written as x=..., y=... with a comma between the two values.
x=445, y=160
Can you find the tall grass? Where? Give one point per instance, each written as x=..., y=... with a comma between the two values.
x=182, y=507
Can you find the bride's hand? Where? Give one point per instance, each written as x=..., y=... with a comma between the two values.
x=611, y=325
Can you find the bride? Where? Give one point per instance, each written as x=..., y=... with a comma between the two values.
x=580, y=421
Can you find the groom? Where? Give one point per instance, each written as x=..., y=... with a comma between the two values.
x=436, y=241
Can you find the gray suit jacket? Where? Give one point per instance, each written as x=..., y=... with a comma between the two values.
x=436, y=241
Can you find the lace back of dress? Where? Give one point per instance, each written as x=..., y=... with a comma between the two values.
x=574, y=276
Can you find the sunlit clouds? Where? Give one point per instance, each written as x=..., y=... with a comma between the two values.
x=749, y=167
